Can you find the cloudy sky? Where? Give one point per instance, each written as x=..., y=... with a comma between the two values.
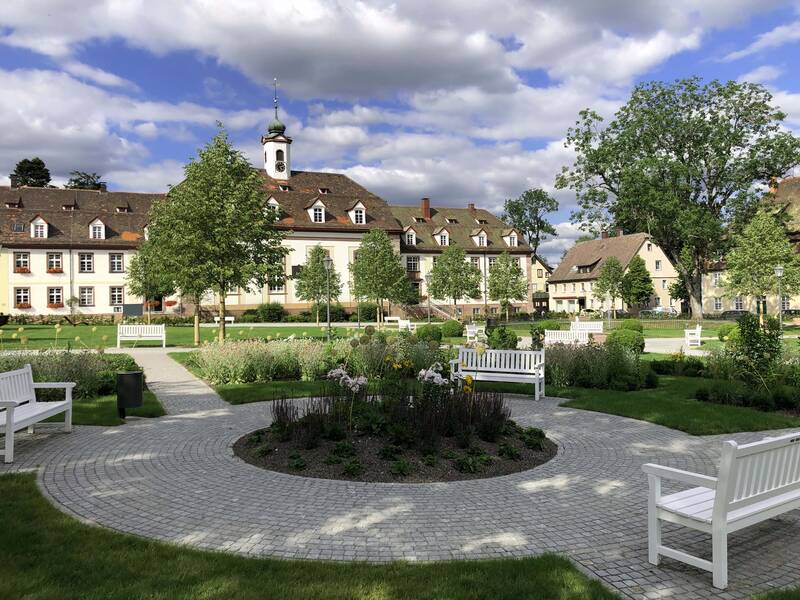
x=459, y=101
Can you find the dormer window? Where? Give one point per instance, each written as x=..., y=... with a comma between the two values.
x=13, y=205
x=97, y=230
x=68, y=207
x=512, y=240
x=450, y=220
x=481, y=221
x=285, y=188
x=411, y=238
x=38, y=228
x=319, y=214
x=358, y=216
x=324, y=190
x=481, y=240
x=444, y=239
x=18, y=228
x=419, y=220
x=273, y=204
x=123, y=209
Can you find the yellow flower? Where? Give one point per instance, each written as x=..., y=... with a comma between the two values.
x=77, y=338
x=468, y=379
x=94, y=329
x=13, y=336
x=241, y=332
x=397, y=366
x=269, y=338
x=104, y=338
x=57, y=327
x=23, y=340
x=21, y=329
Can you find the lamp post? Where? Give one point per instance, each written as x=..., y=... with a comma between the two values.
x=328, y=265
x=428, y=293
x=779, y=275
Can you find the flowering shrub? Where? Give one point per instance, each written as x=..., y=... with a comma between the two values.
x=433, y=375
x=354, y=384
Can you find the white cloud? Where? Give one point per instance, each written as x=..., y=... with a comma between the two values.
x=761, y=74
x=554, y=248
x=98, y=76
x=779, y=36
x=154, y=177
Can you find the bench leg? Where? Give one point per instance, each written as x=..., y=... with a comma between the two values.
x=30, y=429
x=8, y=456
x=653, y=524
x=68, y=412
x=719, y=557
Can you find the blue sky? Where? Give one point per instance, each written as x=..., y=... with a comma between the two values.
x=458, y=102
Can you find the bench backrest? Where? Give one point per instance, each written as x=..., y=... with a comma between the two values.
x=17, y=386
x=757, y=471
x=501, y=361
x=140, y=330
x=590, y=326
x=556, y=336
x=694, y=330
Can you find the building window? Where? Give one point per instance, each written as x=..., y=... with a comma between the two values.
x=285, y=188
x=411, y=239
x=492, y=260
x=85, y=296
x=97, y=231
x=658, y=301
x=412, y=264
x=573, y=287
x=663, y=284
x=55, y=263
x=86, y=262
x=22, y=297
x=55, y=297
x=40, y=230
x=738, y=303
x=476, y=261
x=481, y=240
x=717, y=303
x=276, y=288
x=539, y=273
x=319, y=214
x=443, y=239
x=358, y=216
x=715, y=277
x=279, y=155
x=786, y=303
x=324, y=190
x=583, y=287
x=116, y=264
x=476, y=312
x=512, y=241
x=117, y=295
x=658, y=265
x=22, y=262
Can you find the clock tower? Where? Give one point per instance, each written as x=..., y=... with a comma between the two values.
x=277, y=146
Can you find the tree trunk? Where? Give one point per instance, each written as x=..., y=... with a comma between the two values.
x=147, y=306
x=318, y=313
x=221, y=336
x=694, y=287
x=197, y=322
x=507, y=306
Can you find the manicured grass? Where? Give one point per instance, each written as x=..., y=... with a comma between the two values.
x=91, y=336
x=791, y=594
x=671, y=404
x=103, y=410
x=45, y=554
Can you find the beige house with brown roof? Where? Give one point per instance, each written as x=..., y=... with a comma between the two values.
x=572, y=282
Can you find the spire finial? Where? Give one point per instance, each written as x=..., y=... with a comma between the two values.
x=275, y=95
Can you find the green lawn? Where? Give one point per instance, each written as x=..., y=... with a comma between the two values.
x=671, y=404
x=45, y=554
x=88, y=336
x=103, y=410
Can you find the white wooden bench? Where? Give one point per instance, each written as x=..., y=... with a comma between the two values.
x=20, y=408
x=229, y=320
x=692, y=336
x=137, y=333
x=755, y=482
x=406, y=325
x=475, y=333
x=520, y=366
x=391, y=319
x=556, y=336
x=587, y=326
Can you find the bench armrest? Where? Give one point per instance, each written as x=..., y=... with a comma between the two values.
x=686, y=477
x=51, y=385
x=454, y=368
x=8, y=404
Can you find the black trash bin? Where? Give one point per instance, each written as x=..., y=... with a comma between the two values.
x=130, y=386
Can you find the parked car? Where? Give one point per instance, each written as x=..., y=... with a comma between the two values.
x=589, y=312
x=732, y=315
x=660, y=312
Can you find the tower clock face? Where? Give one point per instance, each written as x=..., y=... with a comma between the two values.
x=280, y=166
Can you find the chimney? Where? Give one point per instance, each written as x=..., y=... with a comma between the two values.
x=604, y=234
x=426, y=208
x=14, y=181
x=471, y=208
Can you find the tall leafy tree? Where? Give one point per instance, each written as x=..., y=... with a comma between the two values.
x=377, y=273
x=507, y=282
x=216, y=226
x=453, y=277
x=147, y=276
x=637, y=285
x=312, y=282
x=32, y=172
x=83, y=181
x=609, y=282
x=679, y=161
x=528, y=213
x=757, y=250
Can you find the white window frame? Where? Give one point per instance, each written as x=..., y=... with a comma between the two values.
x=82, y=296
x=39, y=229
x=97, y=230
x=658, y=265
x=318, y=214
x=22, y=260
x=786, y=303
x=359, y=216
x=476, y=261
x=412, y=264
x=55, y=295
x=512, y=240
x=55, y=261
x=22, y=295
x=481, y=240
x=411, y=238
x=738, y=303
x=444, y=239
x=111, y=293
x=717, y=303
x=715, y=278
x=85, y=258
x=121, y=262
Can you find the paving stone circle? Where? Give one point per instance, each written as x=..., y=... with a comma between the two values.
x=176, y=479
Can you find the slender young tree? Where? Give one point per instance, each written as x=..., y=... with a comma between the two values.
x=455, y=278
x=507, y=282
x=32, y=172
x=216, y=229
x=528, y=213
x=762, y=246
x=312, y=282
x=147, y=278
x=679, y=161
x=609, y=282
x=377, y=273
x=637, y=285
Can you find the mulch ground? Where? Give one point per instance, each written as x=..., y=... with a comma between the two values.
x=264, y=449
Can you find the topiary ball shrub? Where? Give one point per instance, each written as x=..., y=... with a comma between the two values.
x=725, y=330
x=452, y=328
x=429, y=333
x=627, y=339
x=631, y=325
x=501, y=338
x=271, y=312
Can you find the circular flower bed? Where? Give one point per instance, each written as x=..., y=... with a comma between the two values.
x=398, y=431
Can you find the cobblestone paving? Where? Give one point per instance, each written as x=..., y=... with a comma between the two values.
x=176, y=479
